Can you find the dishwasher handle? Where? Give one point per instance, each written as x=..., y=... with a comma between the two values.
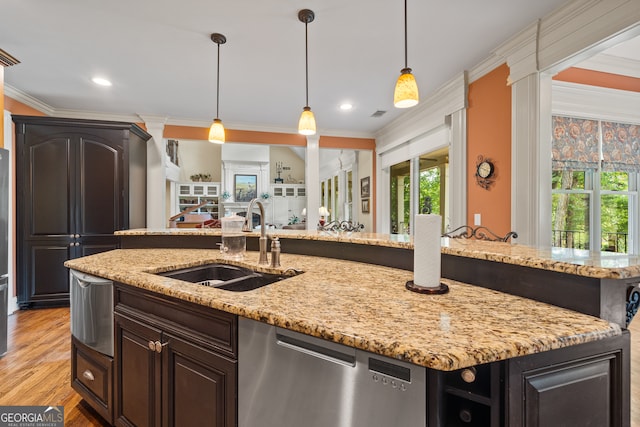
x=325, y=351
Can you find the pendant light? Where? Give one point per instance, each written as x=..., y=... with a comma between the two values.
x=216, y=131
x=307, y=123
x=406, y=93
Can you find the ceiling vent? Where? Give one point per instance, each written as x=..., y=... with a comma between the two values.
x=379, y=113
x=7, y=60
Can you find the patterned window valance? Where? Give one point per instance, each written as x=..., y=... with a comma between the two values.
x=575, y=143
x=620, y=147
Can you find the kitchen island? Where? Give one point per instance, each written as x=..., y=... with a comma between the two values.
x=517, y=347
x=602, y=284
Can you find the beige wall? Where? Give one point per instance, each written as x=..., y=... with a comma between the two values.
x=289, y=159
x=199, y=157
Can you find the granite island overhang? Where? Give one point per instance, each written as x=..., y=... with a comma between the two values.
x=367, y=306
x=514, y=348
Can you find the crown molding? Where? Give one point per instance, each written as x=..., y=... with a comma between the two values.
x=28, y=100
x=48, y=110
x=568, y=35
x=612, y=64
x=593, y=102
x=428, y=115
x=519, y=52
x=485, y=67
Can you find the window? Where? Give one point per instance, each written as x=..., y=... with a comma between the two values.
x=430, y=194
x=596, y=166
x=400, y=198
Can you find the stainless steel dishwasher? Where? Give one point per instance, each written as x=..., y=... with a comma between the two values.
x=287, y=379
x=92, y=311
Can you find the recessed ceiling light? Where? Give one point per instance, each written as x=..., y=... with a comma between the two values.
x=346, y=106
x=101, y=81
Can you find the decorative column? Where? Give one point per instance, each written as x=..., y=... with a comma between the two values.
x=156, y=174
x=312, y=181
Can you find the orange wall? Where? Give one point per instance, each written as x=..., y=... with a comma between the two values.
x=18, y=108
x=272, y=138
x=489, y=135
x=597, y=78
x=2, y=142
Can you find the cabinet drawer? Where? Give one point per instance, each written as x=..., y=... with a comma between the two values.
x=211, y=328
x=92, y=378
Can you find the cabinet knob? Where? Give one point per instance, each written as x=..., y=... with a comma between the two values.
x=88, y=375
x=159, y=345
x=465, y=415
x=76, y=244
x=77, y=236
x=152, y=346
x=468, y=375
x=71, y=244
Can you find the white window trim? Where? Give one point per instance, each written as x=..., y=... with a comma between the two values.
x=414, y=133
x=567, y=36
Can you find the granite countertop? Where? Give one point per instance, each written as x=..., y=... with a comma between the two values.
x=367, y=306
x=601, y=265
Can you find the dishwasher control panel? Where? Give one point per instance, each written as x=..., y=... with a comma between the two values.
x=389, y=374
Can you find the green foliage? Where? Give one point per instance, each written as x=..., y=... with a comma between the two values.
x=429, y=187
x=570, y=211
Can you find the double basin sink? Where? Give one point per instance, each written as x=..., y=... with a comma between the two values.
x=227, y=277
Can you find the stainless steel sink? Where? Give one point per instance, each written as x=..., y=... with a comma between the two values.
x=226, y=277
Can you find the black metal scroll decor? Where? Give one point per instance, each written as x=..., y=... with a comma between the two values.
x=348, y=226
x=480, y=233
x=633, y=302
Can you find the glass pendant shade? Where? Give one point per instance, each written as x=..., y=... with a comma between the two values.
x=307, y=123
x=216, y=132
x=406, y=93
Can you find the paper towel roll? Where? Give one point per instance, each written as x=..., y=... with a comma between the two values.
x=426, y=250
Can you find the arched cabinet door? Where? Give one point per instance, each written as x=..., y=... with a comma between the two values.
x=73, y=190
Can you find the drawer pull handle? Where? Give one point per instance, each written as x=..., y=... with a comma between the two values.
x=88, y=375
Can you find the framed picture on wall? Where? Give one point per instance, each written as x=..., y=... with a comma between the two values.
x=365, y=187
x=365, y=205
x=245, y=187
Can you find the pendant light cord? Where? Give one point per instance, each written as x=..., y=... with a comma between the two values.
x=218, y=85
x=405, y=35
x=306, y=61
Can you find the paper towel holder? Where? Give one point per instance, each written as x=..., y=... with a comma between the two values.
x=436, y=290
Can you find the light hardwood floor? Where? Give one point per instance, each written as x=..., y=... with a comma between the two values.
x=36, y=369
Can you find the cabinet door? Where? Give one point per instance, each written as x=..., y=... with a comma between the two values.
x=99, y=184
x=586, y=384
x=70, y=191
x=199, y=386
x=137, y=373
x=45, y=220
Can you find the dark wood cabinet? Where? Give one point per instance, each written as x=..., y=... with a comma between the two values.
x=92, y=378
x=175, y=362
x=582, y=385
x=77, y=182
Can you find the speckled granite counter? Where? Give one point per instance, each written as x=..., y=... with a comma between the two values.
x=606, y=265
x=366, y=306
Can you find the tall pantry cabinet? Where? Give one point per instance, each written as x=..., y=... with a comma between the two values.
x=77, y=181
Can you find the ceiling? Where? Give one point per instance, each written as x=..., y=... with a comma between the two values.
x=162, y=62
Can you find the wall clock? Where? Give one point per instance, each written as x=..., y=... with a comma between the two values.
x=485, y=172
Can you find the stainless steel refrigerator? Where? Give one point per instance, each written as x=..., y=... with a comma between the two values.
x=4, y=246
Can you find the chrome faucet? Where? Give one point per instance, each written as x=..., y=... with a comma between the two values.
x=248, y=226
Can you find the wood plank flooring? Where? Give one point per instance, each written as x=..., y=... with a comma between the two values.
x=36, y=369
